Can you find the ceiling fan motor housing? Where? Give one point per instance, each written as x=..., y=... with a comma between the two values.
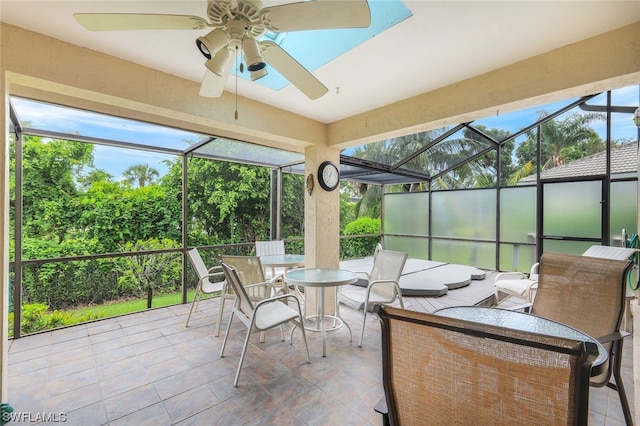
x=222, y=12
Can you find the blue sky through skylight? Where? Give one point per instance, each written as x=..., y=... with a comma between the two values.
x=312, y=49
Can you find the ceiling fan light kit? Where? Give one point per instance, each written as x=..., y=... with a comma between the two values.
x=210, y=44
x=252, y=54
x=241, y=24
x=258, y=74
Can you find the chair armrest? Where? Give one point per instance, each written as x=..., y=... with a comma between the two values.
x=215, y=269
x=510, y=276
x=277, y=298
x=366, y=274
x=616, y=335
x=534, y=269
x=265, y=283
x=275, y=278
x=372, y=283
x=212, y=275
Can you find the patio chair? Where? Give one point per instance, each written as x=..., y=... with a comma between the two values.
x=588, y=293
x=382, y=284
x=266, y=314
x=251, y=273
x=438, y=370
x=265, y=248
x=205, y=286
x=517, y=284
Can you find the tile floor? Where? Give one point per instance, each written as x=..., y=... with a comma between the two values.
x=148, y=369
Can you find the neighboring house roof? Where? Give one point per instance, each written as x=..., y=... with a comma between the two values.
x=624, y=159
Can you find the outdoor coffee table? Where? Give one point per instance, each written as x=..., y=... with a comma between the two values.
x=323, y=279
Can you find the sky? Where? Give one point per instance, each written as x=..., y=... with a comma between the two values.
x=115, y=160
x=312, y=49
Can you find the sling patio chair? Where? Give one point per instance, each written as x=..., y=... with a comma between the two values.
x=263, y=315
x=207, y=286
x=438, y=370
x=251, y=273
x=382, y=284
x=588, y=293
x=265, y=248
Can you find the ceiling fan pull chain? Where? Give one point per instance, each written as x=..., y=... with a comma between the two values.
x=236, y=113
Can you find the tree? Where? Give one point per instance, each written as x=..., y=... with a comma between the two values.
x=95, y=175
x=562, y=141
x=115, y=215
x=227, y=202
x=442, y=156
x=141, y=174
x=147, y=273
x=50, y=170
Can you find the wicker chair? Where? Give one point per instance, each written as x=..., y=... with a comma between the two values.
x=588, y=293
x=439, y=370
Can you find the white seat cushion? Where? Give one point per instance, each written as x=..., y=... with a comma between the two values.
x=271, y=314
x=515, y=286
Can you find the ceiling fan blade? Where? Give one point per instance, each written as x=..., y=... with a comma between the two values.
x=317, y=15
x=212, y=85
x=291, y=69
x=139, y=21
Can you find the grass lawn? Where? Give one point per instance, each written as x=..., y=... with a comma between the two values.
x=129, y=306
x=37, y=317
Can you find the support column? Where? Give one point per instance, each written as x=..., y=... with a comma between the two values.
x=4, y=240
x=321, y=225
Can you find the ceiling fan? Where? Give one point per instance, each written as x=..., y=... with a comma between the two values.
x=238, y=26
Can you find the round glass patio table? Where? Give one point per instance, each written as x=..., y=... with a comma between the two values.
x=282, y=260
x=519, y=320
x=323, y=279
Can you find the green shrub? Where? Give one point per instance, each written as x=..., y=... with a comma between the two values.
x=363, y=246
x=37, y=317
x=34, y=317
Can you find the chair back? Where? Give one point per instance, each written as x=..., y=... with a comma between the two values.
x=265, y=248
x=586, y=293
x=249, y=270
x=198, y=264
x=387, y=266
x=201, y=269
x=243, y=301
x=439, y=370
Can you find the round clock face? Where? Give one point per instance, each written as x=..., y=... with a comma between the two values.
x=328, y=176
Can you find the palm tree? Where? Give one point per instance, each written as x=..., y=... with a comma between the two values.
x=444, y=155
x=141, y=174
x=560, y=135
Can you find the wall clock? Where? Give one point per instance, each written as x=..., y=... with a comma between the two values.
x=328, y=176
